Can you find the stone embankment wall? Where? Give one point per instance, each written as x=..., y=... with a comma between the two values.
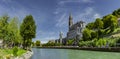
x=108, y=49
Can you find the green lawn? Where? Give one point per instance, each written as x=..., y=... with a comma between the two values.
x=5, y=52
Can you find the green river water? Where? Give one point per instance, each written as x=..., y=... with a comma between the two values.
x=72, y=54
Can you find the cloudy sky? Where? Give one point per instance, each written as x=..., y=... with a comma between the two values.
x=51, y=16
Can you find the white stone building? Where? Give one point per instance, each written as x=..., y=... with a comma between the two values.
x=75, y=30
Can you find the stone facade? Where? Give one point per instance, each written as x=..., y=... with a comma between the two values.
x=75, y=30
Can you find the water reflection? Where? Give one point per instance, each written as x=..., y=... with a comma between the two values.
x=72, y=54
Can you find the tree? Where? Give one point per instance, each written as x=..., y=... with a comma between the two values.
x=98, y=25
x=37, y=43
x=90, y=25
x=93, y=34
x=110, y=22
x=13, y=36
x=28, y=30
x=3, y=28
x=86, y=34
x=116, y=13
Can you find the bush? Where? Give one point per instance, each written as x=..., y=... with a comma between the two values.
x=112, y=42
x=86, y=43
x=101, y=43
x=15, y=50
x=70, y=41
x=37, y=43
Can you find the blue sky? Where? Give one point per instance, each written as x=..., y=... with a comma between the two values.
x=51, y=16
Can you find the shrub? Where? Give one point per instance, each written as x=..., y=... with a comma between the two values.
x=15, y=50
x=70, y=41
x=86, y=43
x=101, y=43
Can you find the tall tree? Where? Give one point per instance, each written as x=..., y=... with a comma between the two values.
x=116, y=13
x=90, y=25
x=3, y=27
x=13, y=36
x=98, y=25
x=110, y=22
x=86, y=34
x=28, y=30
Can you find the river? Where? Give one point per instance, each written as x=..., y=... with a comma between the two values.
x=72, y=54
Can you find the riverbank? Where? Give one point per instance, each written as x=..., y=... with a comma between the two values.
x=8, y=54
x=26, y=55
x=109, y=49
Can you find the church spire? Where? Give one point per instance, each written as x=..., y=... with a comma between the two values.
x=70, y=20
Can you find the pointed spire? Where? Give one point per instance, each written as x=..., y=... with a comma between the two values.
x=70, y=21
x=70, y=16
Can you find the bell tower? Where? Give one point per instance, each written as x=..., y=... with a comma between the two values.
x=70, y=21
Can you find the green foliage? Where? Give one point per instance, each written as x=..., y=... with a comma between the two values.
x=13, y=34
x=15, y=50
x=28, y=27
x=116, y=13
x=93, y=34
x=9, y=52
x=86, y=34
x=101, y=43
x=3, y=27
x=110, y=22
x=9, y=31
x=37, y=43
x=28, y=30
x=86, y=43
x=98, y=23
x=112, y=42
x=70, y=41
x=52, y=44
x=98, y=26
x=101, y=27
x=90, y=25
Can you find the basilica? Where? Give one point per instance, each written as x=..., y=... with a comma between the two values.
x=74, y=32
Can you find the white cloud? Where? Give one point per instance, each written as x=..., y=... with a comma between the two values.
x=46, y=35
x=88, y=15
x=88, y=1
x=62, y=21
x=96, y=16
x=74, y=1
x=44, y=42
x=7, y=1
x=12, y=10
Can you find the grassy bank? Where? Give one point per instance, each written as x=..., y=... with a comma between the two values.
x=9, y=52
